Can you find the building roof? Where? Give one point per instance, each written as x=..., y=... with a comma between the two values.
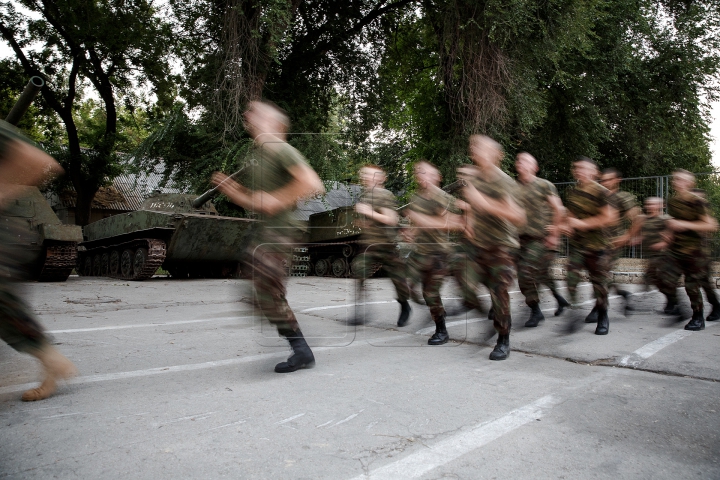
x=338, y=195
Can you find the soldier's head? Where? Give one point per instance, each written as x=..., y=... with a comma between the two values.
x=372, y=176
x=427, y=174
x=611, y=178
x=526, y=166
x=654, y=206
x=584, y=170
x=683, y=181
x=485, y=152
x=265, y=121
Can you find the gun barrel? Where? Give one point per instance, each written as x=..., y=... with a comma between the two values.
x=26, y=98
x=210, y=194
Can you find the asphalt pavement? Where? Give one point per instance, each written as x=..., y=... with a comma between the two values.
x=176, y=381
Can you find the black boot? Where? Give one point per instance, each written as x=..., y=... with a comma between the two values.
x=697, y=322
x=714, y=314
x=404, y=313
x=491, y=313
x=502, y=349
x=536, y=316
x=671, y=308
x=592, y=316
x=626, y=297
x=562, y=304
x=441, y=335
x=302, y=356
x=603, y=323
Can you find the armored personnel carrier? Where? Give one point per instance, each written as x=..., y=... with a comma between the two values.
x=47, y=247
x=182, y=233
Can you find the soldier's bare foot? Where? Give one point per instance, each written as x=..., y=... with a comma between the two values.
x=56, y=366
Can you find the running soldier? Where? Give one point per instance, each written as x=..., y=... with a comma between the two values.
x=433, y=213
x=624, y=203
x=690, y=220
x=707, y=256
x=538, y=237
x=589, y=213
x=280, y=177
x=23, y=165
x=378, y=220
x=649, y=230
x=492, y=239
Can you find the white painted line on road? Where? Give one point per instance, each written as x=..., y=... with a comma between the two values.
x=330, y=307
x=647, y=351
x=349, y=418
x=145, y=325
x=227, y=425
x=104, y=377
x=418, y=464
x=326, y=423
x=289, y=419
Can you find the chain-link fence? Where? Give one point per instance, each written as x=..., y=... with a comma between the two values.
x=659, y=186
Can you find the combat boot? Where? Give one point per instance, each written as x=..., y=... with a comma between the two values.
x=502, y=348
x=491, y=313
x=441, y=335
x=55, y=366
x=536, y=316
x=672, y=308
x=592, y=316
x=626, y=297
x=404, y=313
x=714, y=313
x=302, y=356
x=603, y=323
x=562, y=304
x=697, y=322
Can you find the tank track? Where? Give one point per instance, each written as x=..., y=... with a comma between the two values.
x=60, y=259
x=156, y=251
x=155, y=258
x=374, y=267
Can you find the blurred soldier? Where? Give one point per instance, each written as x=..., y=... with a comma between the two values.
x=379, y=219
x=690, y=221
x=589, y=213
x=538, y=237
x=23, y=165
x=649, y=229
x=706, y=284
x=433, y=213
x=490, y=197
x=624, y=203
x=280, y=178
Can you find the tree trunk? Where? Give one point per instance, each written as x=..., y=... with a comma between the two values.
x=83, y=205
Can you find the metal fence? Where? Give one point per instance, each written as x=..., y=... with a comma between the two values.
x=659, y=186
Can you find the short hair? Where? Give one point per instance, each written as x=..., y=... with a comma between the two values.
x=478, y=138
x=426, y=162
x=581, y=158
x=372, y=166
x=612, y=171
x=278, y=113
x=654, y=200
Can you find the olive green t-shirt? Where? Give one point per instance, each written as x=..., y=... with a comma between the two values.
x=584, y=202
x=271, y=172
x=372, y=230
x=652, y=229
x=533, y=197
x=491, y=231
x=434, y=203
x=690, y=208
x=623, y=202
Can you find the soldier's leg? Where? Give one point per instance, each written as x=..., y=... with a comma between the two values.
x=575, y=265
x=20, y=329
x=434, y=271
x=496, y=267
x=269, y=282
x=708, y=288
x=397, y=271
x=544, y=278
x=693, y=268
x=598, y=265
x=465, y=270
x=530, y=265
x=363, y=267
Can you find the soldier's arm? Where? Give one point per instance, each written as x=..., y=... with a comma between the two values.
x=386, y=216
x=607, y=216
x=706, y=224
x=634, y=234
x=447, y=221
x=505, y=208
x=22, y=165
x=554, y=229
x=305, y=183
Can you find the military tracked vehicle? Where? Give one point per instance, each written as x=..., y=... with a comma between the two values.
x=48, y=247
x=182, y=233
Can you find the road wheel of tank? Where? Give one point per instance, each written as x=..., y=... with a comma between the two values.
x=126, y=263
x=104, y=264
x=339, y=267
x=139, y=260
x=97, y=265
x=348, y=250
x=114, y=264
x=322, y=267
x=87, y=266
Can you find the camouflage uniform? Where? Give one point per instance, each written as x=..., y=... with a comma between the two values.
x=273, y=240
x=657, y=260
x=487, y=258
x=533, y=257
x=686, y=252
x=428, y=260
x=378, y=244
x=623, y=202
x=18, y=325
x=589, y=249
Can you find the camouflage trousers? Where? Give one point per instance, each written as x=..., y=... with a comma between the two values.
x=384, y=254
x=18, y=326
x=492, y=268
x=533, y=268
x=597, y=263
x=269, y=259
x=695, y=268
x=429, y=270
x=654, y=271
